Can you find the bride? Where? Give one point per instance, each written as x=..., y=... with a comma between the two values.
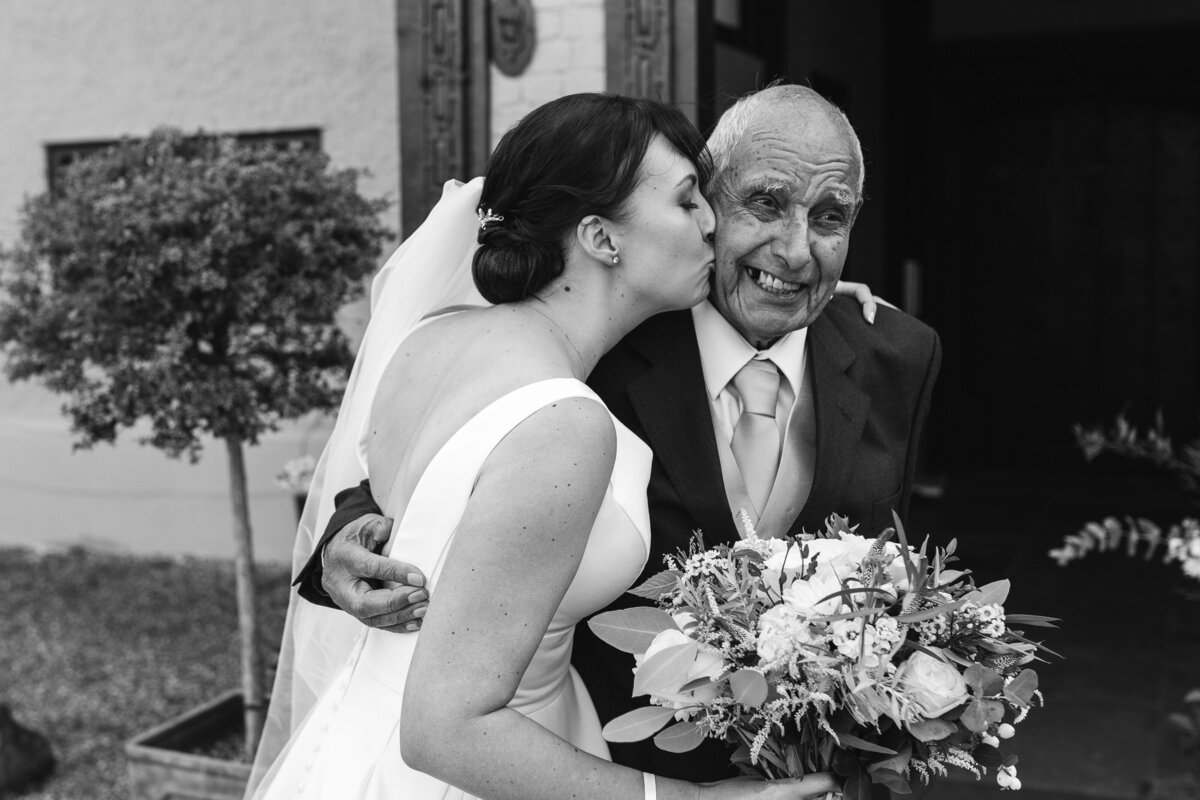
x=518, y=494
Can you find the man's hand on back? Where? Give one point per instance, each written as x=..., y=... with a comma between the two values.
x=352, y=576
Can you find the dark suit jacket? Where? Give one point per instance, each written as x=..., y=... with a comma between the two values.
x=871, y=389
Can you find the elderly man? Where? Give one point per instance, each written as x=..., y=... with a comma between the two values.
x=768, y=397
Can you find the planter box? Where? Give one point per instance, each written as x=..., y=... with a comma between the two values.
x=161, y=766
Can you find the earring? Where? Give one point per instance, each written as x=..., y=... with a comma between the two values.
x=616, y=259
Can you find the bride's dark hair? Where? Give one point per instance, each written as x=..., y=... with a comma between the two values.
x=574, y=156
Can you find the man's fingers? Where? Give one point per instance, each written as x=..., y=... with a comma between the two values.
x=862, y=293
x=406, y=621
x=399, y=609
x=369, y=566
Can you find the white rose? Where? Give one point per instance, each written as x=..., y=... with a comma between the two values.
x=708, y=663
x=784, y=560
x=935, y=686
x=808, y=597
x=844, y=554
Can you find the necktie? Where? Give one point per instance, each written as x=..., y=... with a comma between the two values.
x=755, y=442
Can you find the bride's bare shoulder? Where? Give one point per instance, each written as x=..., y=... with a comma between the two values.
x=474, y=342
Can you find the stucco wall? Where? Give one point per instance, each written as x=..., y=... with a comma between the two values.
x=78, y=71
x=569, y=58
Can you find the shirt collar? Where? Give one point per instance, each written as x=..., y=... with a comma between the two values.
x=723, y=351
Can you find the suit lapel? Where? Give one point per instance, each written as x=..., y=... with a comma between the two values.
x=841, y=412
x=671, y=403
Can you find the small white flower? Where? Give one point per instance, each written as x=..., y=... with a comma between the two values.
x=1006, y=731
x=782, y=631
x=887, y=634
x=990, y=740
x=1007, y=778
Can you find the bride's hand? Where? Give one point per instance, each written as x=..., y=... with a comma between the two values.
x=815, y=786
x=862, y=293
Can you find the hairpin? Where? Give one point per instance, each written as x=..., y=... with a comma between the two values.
x=484, y=219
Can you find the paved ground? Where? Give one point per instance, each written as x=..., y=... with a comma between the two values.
x=1131, y=642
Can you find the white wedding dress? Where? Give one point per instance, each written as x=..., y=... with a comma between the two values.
x=348, y=745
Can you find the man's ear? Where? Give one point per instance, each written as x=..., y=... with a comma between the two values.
x=597, y=237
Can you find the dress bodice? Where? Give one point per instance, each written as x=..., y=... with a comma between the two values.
x=615, y=553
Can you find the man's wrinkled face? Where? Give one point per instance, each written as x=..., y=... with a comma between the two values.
x=784, y=209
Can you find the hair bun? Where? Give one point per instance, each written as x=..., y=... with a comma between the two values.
x=508, y=267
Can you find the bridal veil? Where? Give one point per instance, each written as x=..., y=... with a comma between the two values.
x=431, y=270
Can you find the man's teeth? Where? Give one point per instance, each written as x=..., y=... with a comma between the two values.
x=771, y=283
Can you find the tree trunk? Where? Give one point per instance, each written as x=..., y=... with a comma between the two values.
x=247, y=599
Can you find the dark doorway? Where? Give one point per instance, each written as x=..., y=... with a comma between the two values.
x=1061, y=227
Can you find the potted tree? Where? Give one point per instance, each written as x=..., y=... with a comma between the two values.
x=189, y=283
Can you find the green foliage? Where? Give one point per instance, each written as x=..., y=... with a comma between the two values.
x=1153, y=446
x=1180, y=544
x=192, y=281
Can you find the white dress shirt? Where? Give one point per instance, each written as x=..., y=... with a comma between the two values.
x=723, y=352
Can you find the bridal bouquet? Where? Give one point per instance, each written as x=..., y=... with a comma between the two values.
x=835, y=652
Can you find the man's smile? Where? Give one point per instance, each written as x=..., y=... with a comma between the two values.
x=771, y=284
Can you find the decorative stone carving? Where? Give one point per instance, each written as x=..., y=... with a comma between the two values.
x=513, y=35
x=25, y=755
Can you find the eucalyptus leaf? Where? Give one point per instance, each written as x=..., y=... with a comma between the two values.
x=679, y=738
x=666, y=670
x=631, y=630
x=695, y=684
x=995, y=592
x=749, y=687
x=639, y=724
x=1021, y=688
x=931, y=730
x=984, y=682
x=656, y=586
x=981, y=713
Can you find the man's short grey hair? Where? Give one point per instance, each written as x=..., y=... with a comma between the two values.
x=732, y=125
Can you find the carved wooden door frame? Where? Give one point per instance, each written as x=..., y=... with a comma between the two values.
x=442, y=57
x=661, y=49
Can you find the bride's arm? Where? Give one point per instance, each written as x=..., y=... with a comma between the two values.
x=514, y=554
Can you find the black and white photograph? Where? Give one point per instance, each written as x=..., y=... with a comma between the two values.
x=481, y=400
